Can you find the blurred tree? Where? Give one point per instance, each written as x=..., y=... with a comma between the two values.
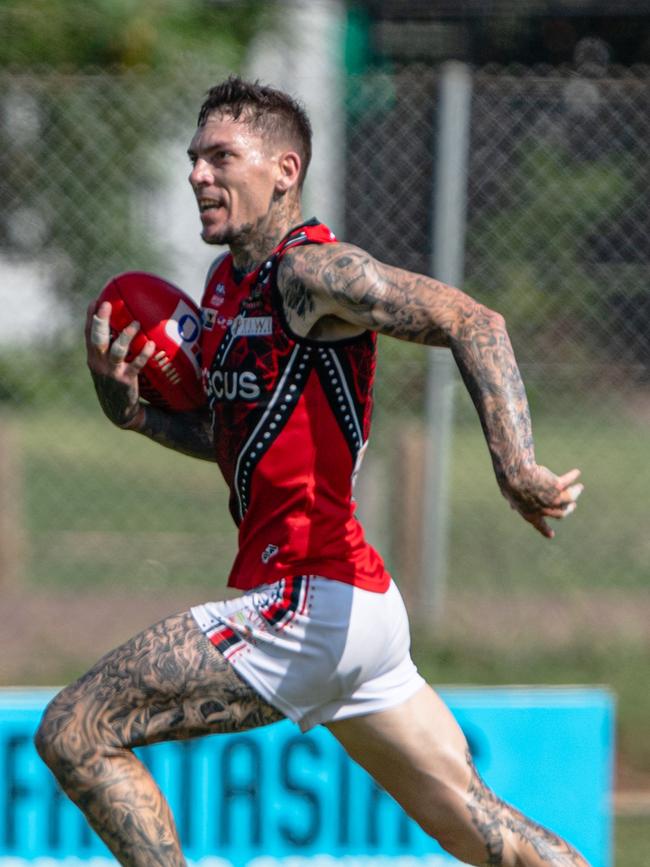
x=89, y=93
x=82, y=34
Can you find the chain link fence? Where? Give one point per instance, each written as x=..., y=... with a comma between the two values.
x=557, y=213
x=557, y=240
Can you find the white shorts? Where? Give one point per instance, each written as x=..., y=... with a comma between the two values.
x=318, y=650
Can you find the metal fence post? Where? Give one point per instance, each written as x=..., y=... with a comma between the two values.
x=447, y=261
x=12, y=522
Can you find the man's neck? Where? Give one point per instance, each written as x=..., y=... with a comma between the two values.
x=258, y=240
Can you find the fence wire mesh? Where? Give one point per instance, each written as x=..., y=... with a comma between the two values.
x=557, y=215
x=558, y=207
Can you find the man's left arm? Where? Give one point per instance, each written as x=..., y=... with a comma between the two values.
x=342, y=282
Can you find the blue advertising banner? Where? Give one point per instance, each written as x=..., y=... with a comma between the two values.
x=277, y=798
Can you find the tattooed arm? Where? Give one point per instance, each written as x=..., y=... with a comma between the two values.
x=187, y=432
x=332, y=290
x=116, y=384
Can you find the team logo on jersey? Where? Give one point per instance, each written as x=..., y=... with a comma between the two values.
x=219, y=295
x=252, y=326
x=269, y=552
x=208, y=318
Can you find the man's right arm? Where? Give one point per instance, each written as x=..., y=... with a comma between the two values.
x=186, y=432
x=116, y=384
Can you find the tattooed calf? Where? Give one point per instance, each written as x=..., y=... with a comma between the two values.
x=168, y=683
x=492, y=817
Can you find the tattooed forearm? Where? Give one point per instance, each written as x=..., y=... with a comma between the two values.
x=118, y=400
x=188, y=432
x=344, y=281
x=486, y=361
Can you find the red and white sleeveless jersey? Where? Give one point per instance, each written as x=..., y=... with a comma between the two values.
x=291, y=420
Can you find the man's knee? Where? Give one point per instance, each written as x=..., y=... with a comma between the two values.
x=59, y=738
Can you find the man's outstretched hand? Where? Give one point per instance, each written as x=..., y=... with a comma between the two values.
x=116, y=380
x=538, y=494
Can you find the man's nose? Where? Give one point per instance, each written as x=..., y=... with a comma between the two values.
x=200, y=174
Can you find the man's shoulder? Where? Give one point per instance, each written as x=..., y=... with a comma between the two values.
x=319, y=263
x=314, y=282
x=305, y=257
x=213, y=267
x=300, y=266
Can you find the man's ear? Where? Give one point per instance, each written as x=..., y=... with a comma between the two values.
x=289, y=166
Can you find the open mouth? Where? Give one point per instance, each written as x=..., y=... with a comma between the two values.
x=206, y=205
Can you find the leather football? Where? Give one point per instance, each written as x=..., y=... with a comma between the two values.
x=171, y=379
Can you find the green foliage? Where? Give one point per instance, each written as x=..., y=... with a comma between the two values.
x=81, y=34
x=45, y=377
x=539, y=269
x=14, y=388
x=401, y=378
x=65, y=206
x=81, y=152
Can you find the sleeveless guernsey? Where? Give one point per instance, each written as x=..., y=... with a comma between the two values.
x=291, y=420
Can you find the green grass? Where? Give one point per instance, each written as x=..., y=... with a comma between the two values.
x=622, y=667
x=103, y=508
x=115, y=477
x=632, y=841
x=84, y=477
x=605, y=544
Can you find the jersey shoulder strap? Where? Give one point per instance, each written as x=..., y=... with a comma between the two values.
x=311, y=232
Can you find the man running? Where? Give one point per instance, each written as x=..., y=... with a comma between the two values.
x=320, y=634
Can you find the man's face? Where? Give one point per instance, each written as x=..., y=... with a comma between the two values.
x=233, y=177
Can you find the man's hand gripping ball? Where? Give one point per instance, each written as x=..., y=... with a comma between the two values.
x=142, y=340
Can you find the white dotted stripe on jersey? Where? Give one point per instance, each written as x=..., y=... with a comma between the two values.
x=225, y=347
x=343, y=396
x=259, y=438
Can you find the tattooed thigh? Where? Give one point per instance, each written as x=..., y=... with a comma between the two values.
x=167, y=683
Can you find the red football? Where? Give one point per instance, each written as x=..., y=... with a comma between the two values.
x=171, y=379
